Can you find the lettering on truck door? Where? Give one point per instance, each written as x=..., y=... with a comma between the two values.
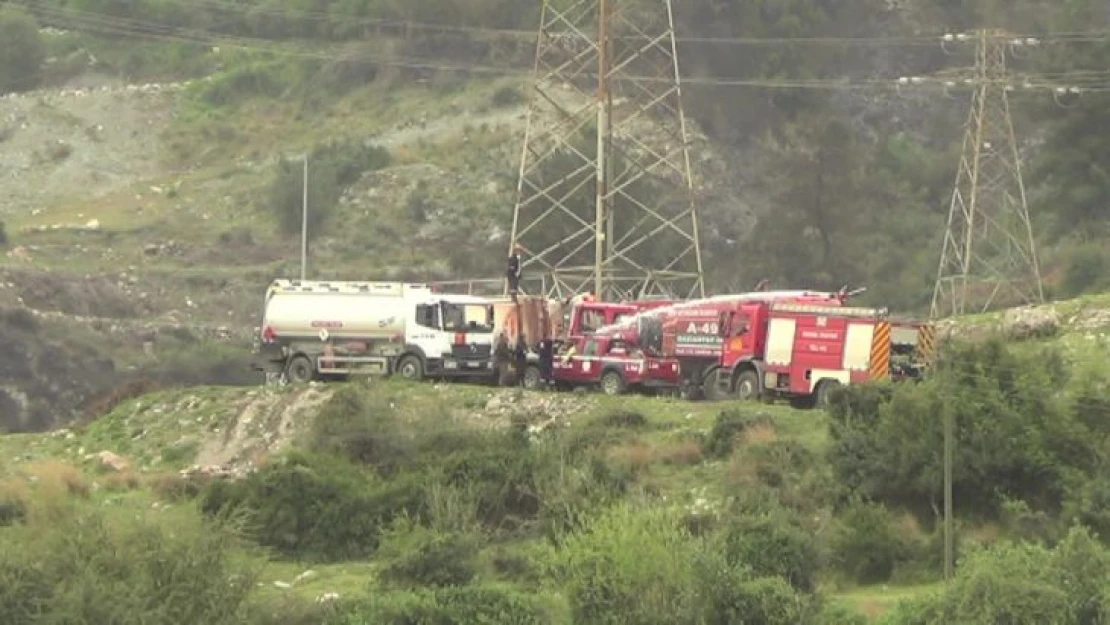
x=588, y=364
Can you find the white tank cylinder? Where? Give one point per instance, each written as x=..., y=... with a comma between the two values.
x=344, y=310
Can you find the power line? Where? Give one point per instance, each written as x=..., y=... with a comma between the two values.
x=130, y=27
x=352, y=19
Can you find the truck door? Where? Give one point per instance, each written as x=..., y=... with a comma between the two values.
x=567, y=361
x=587, y=366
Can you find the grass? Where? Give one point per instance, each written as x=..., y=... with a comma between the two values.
x=875, y=601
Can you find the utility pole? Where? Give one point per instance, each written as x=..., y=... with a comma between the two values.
x=304, y=221
x=596, y=147
x=989, y=255
x=602, y=216
x=949, y=530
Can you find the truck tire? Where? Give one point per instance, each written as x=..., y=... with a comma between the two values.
x=532, y=379
x=747, y=386
x=612, y=383
x=300, y=370
x=410, y=368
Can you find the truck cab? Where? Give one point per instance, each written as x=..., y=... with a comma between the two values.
x=453, y=337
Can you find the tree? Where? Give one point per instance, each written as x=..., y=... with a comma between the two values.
x=22, y=50
x=1073, y=168
x=821, y=195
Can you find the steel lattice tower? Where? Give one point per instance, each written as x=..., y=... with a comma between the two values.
x=989, y=255
x=605, y=191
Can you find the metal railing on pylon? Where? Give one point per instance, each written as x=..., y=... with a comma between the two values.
x=492, y=287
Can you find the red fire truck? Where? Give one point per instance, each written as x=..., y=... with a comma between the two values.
x=613, y=366
x=569, y=327
x=628, y=354
x=795, y=350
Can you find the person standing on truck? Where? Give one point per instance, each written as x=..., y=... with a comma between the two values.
x=547, y=362
x=513, y=271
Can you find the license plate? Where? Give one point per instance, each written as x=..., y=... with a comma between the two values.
x=474, y=365
x=451, y=364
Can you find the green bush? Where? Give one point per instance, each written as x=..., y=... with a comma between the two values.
x=203, y=363
x=867, y=545
x=1016, y=435
x=638, y=565
x=630, y=565
x=332, y=168
x=423, y=557
x=79, y=565
x=363, y=431
x=728, y=426
x=315, y=507
x=772, y=544
x=735, y=597
x=22, y=51
x=507, y=483
x=1086, y=270
x=1020, y=584
x=465, y=605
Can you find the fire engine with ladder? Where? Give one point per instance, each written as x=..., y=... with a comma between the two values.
x=797, y=351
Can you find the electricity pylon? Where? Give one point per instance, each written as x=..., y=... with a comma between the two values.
x=989, y=255
x=605, y=199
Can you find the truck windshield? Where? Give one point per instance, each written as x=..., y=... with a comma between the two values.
x=467, y=317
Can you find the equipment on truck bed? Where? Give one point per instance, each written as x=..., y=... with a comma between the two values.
x=315, y=328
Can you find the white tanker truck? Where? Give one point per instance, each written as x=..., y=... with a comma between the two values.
x=313, y=328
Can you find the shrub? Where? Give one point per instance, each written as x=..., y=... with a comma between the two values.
x=1016, y=435
x=772, y=544
x=727, y=428
x=506, y=96
x=200, y=364
x=332, y=167
x=3, y=235
x=731, y=596
x=466, y=605
x=22, y=50
x=423, y=557
x=867, y=545
x=363, y=432
x=315, y=507
x=82, y=565
x=630, y=565
x=1086, y=270
x=1022, y=584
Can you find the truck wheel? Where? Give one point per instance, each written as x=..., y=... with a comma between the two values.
x=824, y=390
x=612, y=383
x=410, y=368
x=300, y=370
x=747, y=386
x=532, y=378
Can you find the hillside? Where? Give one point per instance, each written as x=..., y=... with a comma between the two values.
x=150, y=163
x=705, y=462
x=147, y=195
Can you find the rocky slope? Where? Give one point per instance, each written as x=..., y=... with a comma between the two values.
x=138, y=221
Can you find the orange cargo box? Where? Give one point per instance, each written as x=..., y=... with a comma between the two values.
x=535, y=318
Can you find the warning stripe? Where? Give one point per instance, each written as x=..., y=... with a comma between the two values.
x=927, y=343
x=880, y=351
